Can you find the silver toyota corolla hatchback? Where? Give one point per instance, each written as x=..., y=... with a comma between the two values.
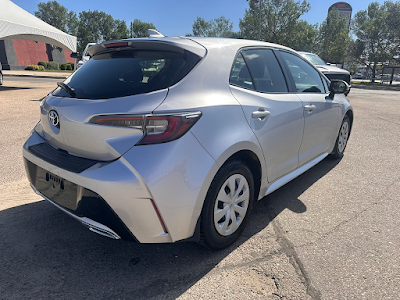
x=162, y=139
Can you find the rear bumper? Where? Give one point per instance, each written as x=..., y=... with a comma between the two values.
x=89, y=223
x=174, y=178
x=115, y=183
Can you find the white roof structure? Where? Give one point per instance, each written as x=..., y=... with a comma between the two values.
x=17, y=23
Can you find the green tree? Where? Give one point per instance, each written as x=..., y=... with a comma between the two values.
x=57, y=15
x=139, y=28
x=304, y=36
x=120, y=31
x=97, y=26
x=279, y=23
x=220, y=27
x=393, y=23
x=72, y=23
x=375, y=41
x=333, y=38
x=88, y=29
x=200, y=27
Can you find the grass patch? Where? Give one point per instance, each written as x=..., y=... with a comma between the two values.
x=366, y=82
x=57, y=71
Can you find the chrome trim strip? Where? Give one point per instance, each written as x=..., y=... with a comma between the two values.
x=89, y=223
x=285, y=179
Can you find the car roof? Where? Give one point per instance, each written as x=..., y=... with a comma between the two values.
x=228, y=42
x=197, y=45
x=303, y=52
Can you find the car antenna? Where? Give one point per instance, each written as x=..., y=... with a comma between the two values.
x=152, y=33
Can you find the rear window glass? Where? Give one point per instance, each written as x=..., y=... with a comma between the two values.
x=123, y=73
x=240, y=74
x=265, y=70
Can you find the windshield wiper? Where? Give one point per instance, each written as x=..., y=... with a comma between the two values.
x=66, y=88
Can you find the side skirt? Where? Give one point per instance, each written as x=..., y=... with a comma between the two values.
x=285, y=179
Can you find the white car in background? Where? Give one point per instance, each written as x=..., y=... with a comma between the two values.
x=332, y=72
x=85, y=56
x=182, y=151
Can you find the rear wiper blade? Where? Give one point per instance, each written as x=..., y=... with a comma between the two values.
x=66, y=88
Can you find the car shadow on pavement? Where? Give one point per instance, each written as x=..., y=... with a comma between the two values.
x=13, y=88
x=46, y=254
x=287, y=197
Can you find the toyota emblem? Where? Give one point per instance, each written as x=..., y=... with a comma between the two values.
x=54, y=119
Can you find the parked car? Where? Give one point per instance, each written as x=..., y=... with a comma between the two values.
x=183, y=152
x=332, y=72
x=85, y=56
x=1, y=75
x=358, y=76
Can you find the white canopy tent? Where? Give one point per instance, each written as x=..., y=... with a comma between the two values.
x=16, y=23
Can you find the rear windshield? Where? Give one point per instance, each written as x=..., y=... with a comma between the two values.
x=123, y=73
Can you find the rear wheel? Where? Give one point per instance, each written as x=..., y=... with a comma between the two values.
x=343, y=136
x=227, y=205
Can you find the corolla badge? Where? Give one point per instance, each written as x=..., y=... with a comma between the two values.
x=54, y=119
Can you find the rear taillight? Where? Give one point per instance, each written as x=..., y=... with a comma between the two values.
x=156, y=128
x=119, y=121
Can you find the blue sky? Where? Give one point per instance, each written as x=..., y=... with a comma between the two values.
x=176, y=17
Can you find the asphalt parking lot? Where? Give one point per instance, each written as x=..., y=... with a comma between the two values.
x=332, y=233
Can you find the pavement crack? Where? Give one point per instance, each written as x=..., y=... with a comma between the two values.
x=289, y=250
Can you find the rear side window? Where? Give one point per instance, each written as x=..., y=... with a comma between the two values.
x=129, y=72
x=265, y=70
x=240, y=75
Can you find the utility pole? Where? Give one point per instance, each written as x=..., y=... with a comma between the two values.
x=259, y=33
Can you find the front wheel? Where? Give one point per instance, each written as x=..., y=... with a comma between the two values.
x=343, y=136
x=227, y=205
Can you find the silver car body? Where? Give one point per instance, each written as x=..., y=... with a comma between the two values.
x=174, y=177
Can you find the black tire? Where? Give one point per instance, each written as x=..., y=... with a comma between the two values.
x=339, y=147
x=1, y=79
x=209, y=236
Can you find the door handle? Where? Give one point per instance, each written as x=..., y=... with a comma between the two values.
x=260, y=114
x=309, y=107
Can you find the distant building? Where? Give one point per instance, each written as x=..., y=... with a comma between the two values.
x=344, y=9
x=16, y=54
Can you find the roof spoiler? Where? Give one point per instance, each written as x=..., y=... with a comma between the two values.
x=152, y=33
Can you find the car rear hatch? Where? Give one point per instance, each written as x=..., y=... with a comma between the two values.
x=124, y=78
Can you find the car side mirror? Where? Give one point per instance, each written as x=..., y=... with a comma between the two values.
x=76, y=55
x=339, y=87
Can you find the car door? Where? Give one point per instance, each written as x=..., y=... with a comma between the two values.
x=275, y=115
x=321, y=113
